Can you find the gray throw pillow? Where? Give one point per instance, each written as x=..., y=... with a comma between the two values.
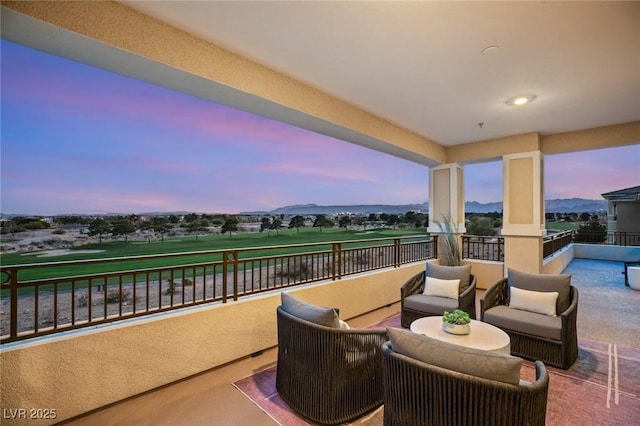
x=462, y=273
x=316, y=314
x=544, y=282
x=474, y=362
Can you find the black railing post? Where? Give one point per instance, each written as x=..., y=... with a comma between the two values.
x=336, y=261
x=434, y=246
x=13, y=290
x=235, y=274
x=465, y=247
x=229, y=259
x=225, y=268
x=396, y=252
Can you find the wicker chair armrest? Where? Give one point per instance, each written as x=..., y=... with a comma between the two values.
x=542, y=378
x=467, y=299
x=542, y=375
x=366, y=335
x=573, y=306
x=367, y=332
x=362, y=340
x=493, y=296
x=570, y=316
x=414, y=285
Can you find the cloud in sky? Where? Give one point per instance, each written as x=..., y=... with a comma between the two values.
x=77, y=139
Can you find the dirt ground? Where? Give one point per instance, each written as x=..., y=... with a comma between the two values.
x=52, y=239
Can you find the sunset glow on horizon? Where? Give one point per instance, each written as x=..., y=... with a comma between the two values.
x=81, y=140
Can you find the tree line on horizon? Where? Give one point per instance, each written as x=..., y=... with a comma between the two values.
x=481, y=224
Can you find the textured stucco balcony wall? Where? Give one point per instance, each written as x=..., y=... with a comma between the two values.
x=88, y=369
x=558, y=261
x=486, y=272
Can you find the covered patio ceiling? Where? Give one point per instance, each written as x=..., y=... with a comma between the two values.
x=441, y=68
x=441, y=72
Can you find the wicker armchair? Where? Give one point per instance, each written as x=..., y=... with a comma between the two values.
x=526, y=342
x=430, y=305
x=328, y=375
x=417, y=393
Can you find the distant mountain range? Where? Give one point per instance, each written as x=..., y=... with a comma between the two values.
x=567, y=205
x=364, y=209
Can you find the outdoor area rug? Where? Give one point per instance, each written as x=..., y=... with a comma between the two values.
x=601, y=388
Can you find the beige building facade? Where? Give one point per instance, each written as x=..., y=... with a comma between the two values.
x=623, y=210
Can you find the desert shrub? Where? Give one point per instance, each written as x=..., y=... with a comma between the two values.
x=53, y=242
x=362, y=258
x=299, y=271
x=172, y=287
x=59, y=231
x=113, y=295
x=82, y=300
x=46, y=318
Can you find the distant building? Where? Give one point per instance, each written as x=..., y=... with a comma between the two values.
x=623, y=212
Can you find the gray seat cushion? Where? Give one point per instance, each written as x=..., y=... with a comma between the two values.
x=434, y=305
x=462, y=273
x=560, y=283
x=475, y=362
x=524, y=322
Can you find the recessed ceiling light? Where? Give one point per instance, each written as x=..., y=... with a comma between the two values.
x=520, y=100
x=490, y=49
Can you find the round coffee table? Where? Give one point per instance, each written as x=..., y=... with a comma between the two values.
x=482, y=336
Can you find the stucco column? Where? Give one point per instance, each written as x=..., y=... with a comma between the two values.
x=446, y=198
x=523, y=211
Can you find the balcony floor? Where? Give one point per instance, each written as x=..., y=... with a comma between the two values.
x=210, y=397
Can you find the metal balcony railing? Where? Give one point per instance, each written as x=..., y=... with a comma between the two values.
x=615, y=238
x=46, y=298
x=554, y=242
x=483, y=248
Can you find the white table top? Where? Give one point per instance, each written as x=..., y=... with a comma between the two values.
x=482, y=336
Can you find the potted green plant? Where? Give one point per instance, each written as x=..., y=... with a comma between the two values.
x=456, y=322
x=451, y=255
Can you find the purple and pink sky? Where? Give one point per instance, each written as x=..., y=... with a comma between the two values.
x=76, y=139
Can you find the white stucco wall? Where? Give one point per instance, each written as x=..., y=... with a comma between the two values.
x=607, y=252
